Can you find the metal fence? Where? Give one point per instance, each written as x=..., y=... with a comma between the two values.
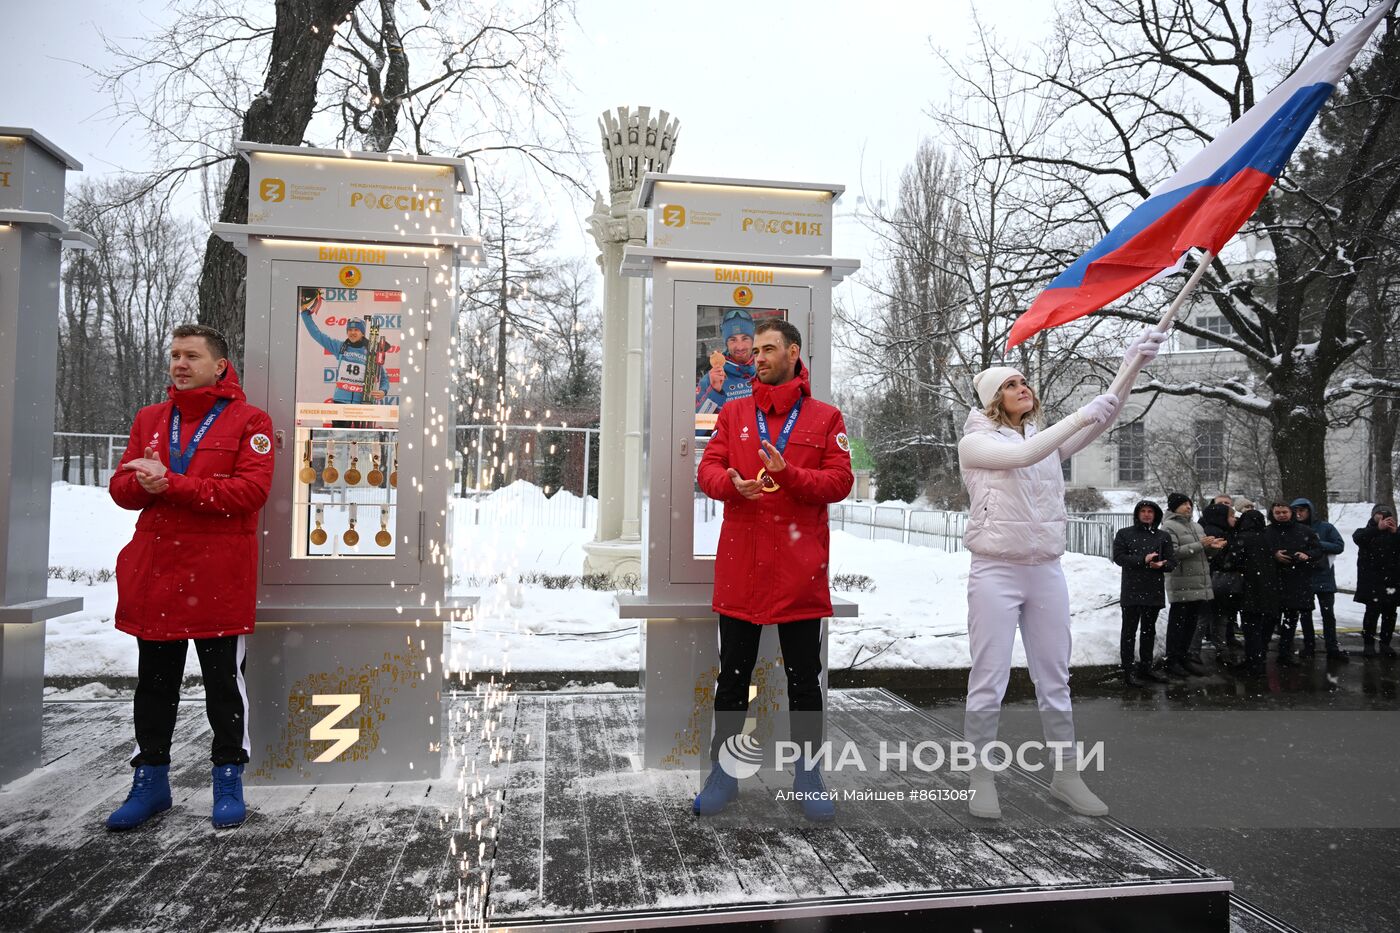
x=86, y=459
x=1091, y=533
x=560, y=462
x=563, y=461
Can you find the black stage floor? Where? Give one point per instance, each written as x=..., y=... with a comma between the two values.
x=543, y=820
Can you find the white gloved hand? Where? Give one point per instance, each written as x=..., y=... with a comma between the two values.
x=1144, y=347
x=1100, y=409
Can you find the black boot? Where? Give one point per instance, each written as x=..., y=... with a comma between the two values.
x=1132, y=680
x=1387, y=651
x=1148, y=673
x=1368, y=647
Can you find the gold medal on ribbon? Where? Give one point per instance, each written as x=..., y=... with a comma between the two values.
x=383, y=538
x=352, y=475
x=376, y=475
x=319, y=536
x=769, y=483
x=330, y=474
x=307, y=475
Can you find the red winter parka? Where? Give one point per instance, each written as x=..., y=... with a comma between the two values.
x=191, y=569
x=774, y=551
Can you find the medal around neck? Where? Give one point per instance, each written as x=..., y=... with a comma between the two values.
x=769, y=483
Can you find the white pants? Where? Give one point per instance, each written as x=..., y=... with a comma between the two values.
x=1000, y=597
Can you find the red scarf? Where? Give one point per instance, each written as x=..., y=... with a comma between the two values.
x=194, y=404
x=779, y=399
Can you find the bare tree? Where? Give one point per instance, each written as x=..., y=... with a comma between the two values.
x=469, y=79
x=571, y=335
x=1129, y=88
x=964, y=253
x=120, y=302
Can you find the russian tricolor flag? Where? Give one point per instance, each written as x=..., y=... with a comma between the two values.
x=1207, y=201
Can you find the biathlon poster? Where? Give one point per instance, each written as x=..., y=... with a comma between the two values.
x=347, y=355
x=724, y=366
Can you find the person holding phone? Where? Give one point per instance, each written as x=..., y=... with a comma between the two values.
x=1296, y=551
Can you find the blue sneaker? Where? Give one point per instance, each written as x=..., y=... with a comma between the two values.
x=720, y=791
x=229, y=808
x=150, y=794
x=816, y=800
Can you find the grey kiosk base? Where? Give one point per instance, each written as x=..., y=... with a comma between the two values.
x=679, y=665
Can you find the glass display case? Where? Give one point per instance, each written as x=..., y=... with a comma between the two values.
x=343, y=366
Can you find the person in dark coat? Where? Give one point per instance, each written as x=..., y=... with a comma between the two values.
x=1297, y=553
x=1378, y=578
x=1218, y=521
x=1144, y=552
x=1324, y=582
x=1259, y=597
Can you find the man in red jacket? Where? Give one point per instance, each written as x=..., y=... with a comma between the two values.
x=198, y=466
x=775, y=460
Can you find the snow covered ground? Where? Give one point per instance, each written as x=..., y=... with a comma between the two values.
x=915, y=618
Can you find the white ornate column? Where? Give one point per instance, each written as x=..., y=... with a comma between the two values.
x=634, y=143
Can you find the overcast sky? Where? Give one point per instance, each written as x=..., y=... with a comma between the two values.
x=814, y=91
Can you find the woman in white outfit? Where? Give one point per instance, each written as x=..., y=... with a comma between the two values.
x=1016, y=533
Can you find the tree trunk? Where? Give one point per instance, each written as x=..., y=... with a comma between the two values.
x=1385, y=419
x=303, y=32
x=384, y=119
x=1299, y=442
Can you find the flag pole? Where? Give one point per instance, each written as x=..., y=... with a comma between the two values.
x=1127, y=376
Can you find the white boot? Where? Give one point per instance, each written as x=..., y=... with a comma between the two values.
x=983, y=800
x=1069, y=788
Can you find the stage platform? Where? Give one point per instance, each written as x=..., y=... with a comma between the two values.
x=583, y=841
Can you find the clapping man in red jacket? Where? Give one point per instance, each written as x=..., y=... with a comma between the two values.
x=198, y=466
x=775, y=460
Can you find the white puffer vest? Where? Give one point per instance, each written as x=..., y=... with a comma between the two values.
x=1015, y=515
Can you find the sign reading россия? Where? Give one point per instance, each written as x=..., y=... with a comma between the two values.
x=364, y=195
x=740, y=218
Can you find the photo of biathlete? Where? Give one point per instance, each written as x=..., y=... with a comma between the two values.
x=731, y=371
x=354, y=355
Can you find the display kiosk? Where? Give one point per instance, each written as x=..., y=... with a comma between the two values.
x=718, y=249
x=352, y=281
x=33, y=235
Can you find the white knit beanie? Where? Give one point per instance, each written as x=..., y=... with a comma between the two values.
x=989, y=382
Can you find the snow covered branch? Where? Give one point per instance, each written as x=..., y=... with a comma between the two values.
x=1230, y=391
